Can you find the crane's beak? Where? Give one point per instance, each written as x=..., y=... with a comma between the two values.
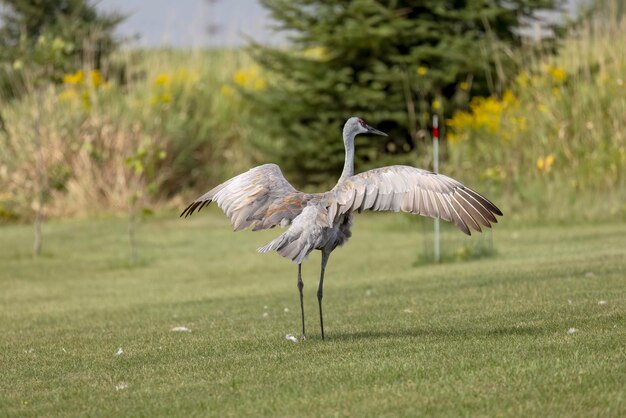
x=374, y=131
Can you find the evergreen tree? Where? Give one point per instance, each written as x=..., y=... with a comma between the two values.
x=50, y=38
x=390, y=62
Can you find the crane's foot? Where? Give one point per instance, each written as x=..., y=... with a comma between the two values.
x=303, y=337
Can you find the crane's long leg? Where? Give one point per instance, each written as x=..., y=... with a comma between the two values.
x=300, y=287
x=320, y=288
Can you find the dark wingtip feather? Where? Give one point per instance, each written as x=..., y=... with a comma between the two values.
x=496, y=210
x=460, y=223
x=189, y=210
x=205, y=203
x=185, y=211
x=485, y=201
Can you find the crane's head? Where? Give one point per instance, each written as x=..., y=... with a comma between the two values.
x=355, y=126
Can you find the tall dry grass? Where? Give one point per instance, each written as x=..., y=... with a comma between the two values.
x=554, y=144
x=175, y=123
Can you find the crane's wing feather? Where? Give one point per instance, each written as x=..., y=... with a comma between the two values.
x=408, y=189
x=260, y=198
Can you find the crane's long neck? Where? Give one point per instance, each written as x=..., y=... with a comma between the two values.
x=348, y=165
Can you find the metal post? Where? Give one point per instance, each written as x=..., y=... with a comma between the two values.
x=436, y=169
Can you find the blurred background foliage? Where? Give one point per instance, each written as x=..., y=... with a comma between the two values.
x=46, y=39
x=536, y=122
x=394, y=63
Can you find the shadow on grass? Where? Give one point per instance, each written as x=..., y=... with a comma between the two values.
x=430, y=332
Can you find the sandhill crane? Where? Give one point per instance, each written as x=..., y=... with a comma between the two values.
x=262, y=198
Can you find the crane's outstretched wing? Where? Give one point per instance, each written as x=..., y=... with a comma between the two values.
x=261, y=198
x=408, y=189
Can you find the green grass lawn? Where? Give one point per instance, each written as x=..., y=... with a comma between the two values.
x=487, y=337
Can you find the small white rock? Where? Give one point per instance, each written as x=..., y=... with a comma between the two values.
x=181, y=329
x=572, y=330
x=291, y=338
x=602, y=302
x=569, y=301
x=368, y=292
x=264, y=306
x=121, y=386
x=119, y=351
x=407, y=310
x=30, y=350
x=286, y=310
x=265, y=314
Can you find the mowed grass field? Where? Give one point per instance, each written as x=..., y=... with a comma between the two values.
x=537, y=330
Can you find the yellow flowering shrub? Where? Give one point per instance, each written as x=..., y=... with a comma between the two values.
x=79, y=86
x=544, y=164
x=494, y=173
x=316, y=53
x=226, y=90
x=557, y=74
x=96, y=128
x=162, y=80
x=557, y=131
x=96, y=78
x=250, y=78
x=485, y=114
x=75, y=78
x=68, y=95
x=93, y=78
x=168, y=85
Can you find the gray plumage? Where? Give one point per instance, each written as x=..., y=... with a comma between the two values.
x=262, y=198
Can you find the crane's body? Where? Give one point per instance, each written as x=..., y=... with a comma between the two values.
x=262, y=198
